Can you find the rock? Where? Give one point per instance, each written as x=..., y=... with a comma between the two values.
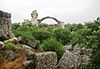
x=29, y=64
x=46, y=60
x=34, y=16
x=85, y=59
x=26, y=47
x=68, y=47
x=76, y=49
x=2, y=38
x=1, y=45
x=30, y=55
x=33, y=44
x=5, y=25
x=13, y=40
x=86, y=51
x=85, y=55
x=69, y=61
x=10, y=55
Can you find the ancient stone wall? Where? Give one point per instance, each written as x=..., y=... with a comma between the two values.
x=5, y=25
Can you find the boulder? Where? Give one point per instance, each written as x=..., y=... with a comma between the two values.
x=29, y=43
x=33, y=44
x=10, y=55
x=30, y=55
x=76, y=49
x=86, y=51
x=13, y=40
x=1, y=45
x=45, y=60
x=29, y=64
x=69, y=61
x=68, y=47
x=26, y=47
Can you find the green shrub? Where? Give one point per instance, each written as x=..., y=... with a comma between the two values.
x=15, y=26
x=53, y=45
x=25, y=32
x=41, y=35
x=1, y=56
x=62, y=35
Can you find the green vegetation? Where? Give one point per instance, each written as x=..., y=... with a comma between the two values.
x=12, y=46
x=1, y=56
x=53, y=45
x=52, y=38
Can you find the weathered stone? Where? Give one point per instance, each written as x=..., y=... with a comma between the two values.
x=33, y=44
x=5, y=14
x=46, y=60
x=13, y=40
x=29, y=64
x=85, y=59
x=10, y=55
x=76, y=49
x=1, y=13
x=34, y=16
x=1, y=45
x=86, y=51
x=30, y=55
x=26, y=47
x=5, y=25
x=69, y=61
x=68, y=47
x=85, y=55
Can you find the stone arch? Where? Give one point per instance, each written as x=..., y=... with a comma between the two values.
x=48, y=17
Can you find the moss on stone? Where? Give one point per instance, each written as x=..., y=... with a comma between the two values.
x=11, y=46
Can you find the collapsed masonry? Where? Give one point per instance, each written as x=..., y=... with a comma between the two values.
x=5, y=25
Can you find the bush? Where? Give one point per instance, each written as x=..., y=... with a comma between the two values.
x=53, y=45
x=25, y=32
x=15, y=26
x=62, y=35
x=41, y=35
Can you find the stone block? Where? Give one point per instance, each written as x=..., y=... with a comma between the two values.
x=46, y=60
x=69, y=61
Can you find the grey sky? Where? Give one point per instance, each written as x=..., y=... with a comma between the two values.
x=69, y=11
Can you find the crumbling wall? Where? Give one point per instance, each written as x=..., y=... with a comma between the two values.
x=5, y=25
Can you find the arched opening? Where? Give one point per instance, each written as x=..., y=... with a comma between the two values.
x=48, y=17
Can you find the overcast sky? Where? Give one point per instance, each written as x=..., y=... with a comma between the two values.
x=69, y=11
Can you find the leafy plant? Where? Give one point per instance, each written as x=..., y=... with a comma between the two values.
x=53, y=45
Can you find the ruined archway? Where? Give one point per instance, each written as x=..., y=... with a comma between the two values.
x=48, y=17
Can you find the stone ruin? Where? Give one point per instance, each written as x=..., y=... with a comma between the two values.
x=36, y=22
x=45, y=60
x=5, y=25
x=34, y=16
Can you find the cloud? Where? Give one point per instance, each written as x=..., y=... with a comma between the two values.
x=65, y=10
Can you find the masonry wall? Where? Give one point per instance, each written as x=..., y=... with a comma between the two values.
x=5, y=25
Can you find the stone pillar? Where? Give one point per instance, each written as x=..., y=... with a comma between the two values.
x=34, y=16
x=5, y=25
x=61, y=24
